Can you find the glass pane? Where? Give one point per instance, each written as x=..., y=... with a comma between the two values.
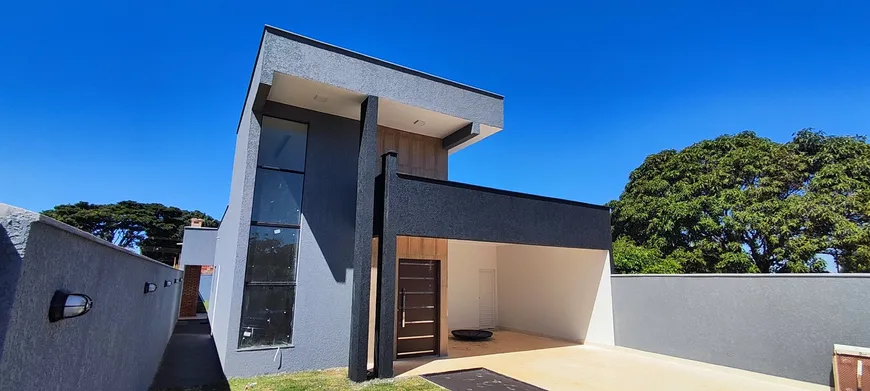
x=272, y=254
x=282, y=144
x=267, y=316
x=277, y=197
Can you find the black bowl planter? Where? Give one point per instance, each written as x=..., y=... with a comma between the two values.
x=472, y=335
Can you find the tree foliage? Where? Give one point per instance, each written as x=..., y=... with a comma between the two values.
x=743, y=204
x=154, y=229
x=630, y=258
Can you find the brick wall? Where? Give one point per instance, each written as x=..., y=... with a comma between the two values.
x=190, y=290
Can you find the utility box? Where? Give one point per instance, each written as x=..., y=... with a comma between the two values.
x=851, y=368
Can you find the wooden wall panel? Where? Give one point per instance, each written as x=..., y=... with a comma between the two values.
x=418, y=155
x=422, y=156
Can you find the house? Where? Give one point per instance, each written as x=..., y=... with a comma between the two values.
x=345, y=244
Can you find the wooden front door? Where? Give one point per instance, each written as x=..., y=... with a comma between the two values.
x=417, y=317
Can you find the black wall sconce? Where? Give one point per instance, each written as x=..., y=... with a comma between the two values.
x=167, y=283
x=150, y=287
x=176, y=280
x=66, y=305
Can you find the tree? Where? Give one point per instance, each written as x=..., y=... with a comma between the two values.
x=629, y=258
x=838, y=194
x=743, y=204
x=153, y=229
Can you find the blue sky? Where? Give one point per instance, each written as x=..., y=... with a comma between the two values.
x=106, y=102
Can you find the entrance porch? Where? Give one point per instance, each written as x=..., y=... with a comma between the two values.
x=512, y=261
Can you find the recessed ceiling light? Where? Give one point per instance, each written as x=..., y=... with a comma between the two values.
x=320, y=98
x=419, y=122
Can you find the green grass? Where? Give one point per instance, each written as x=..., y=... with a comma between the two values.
x=330, y=379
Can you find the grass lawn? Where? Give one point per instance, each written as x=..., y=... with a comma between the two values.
x=330, y=379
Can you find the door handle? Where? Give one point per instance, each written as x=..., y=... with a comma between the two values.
x=404, y=295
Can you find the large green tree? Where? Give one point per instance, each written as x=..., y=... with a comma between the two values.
x=742, y=203
x=155, y=230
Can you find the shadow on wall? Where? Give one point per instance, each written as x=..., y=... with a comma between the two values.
x=335, y=245
x=329, y=189
x=10, y=271
x=329, y=201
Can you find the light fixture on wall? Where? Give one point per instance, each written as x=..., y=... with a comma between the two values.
x=68, y=305
x=321, y=98
x=150, y=287
x=419, y=122
x=167, y=283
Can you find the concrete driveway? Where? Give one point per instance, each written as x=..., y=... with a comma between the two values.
x=590, y=368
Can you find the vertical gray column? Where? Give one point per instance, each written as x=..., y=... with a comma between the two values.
x=367, y=170
x=386, y=313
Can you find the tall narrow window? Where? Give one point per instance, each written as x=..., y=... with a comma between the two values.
x=273, y=242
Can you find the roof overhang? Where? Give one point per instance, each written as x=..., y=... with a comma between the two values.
x=299, y=71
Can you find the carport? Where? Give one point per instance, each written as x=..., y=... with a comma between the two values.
x=530, y=265
x=561, y=294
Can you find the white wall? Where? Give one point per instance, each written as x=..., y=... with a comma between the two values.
x=556, y=292
x=198, y=246
x=466, y=260
x=600, y=329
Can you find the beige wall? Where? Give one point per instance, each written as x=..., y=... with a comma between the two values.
x=462, y=292
x=556, y=292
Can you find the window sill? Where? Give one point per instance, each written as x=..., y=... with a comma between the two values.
x=257, y=348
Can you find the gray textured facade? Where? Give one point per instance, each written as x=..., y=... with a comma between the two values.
x=782, y=325
x=324, y=260
x=367, y=170
x=119, y=342
x=444, y=209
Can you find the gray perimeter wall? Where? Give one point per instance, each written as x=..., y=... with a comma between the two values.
x=321, y=324
x=782, y=325
x=117, y=345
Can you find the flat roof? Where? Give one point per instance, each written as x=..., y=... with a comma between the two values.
x=386, y=64
x=508, y=193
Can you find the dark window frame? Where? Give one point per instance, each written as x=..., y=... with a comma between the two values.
x=274, y=224
x=298, y=227
x=258, y=276
x=304, y=160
